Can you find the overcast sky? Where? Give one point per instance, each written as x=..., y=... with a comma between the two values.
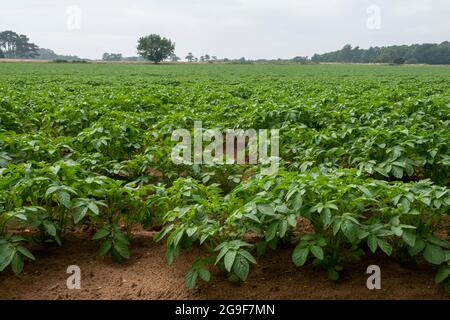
x=226, y=28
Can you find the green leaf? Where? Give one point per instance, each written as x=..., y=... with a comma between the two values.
x=122, y=249
x=350, y=230
x=102, y=233
x=440, y=194
x=409, y=238
x=229, y=259
x=266, y=209
x=271, y=231
x=247, y=255
x=64, y=199
x=261, y=248
x=298, y=201
x=190, y=231
x=115, y=256
x=333, y=275
x=17, y=264
x=325, y=216
x=121, y=237
x=397, y=172
x=241, y=268
x=26, y=253
x=252, y=217
x=365, y=191
x=50, y=228
x=163, y=232
x=51, y=190
x=317, y=252
x=426, y=200
x=418, y=247
x=55, y=169
x=332, y=206
x=170, y=254
x=299, y=255
x=337, y=227
x=221, y=254
x=93, y=207
x=191, y=278
x=384, y=246
x=15, y=239
x=442, y=274
x=283, y=228
x=439, y=242
x=292, y=220
x=79, y=214
x=372, y=242
x=434, y=254
x=105, y=247
x=7, y=253
x=204, y=274
x=177, y=236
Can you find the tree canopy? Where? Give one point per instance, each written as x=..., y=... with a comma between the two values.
x=155, y=48
x=112, y=57
x=427, y=53
x=13, y=45
x=47, y=54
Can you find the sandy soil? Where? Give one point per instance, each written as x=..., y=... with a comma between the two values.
x=147, y=276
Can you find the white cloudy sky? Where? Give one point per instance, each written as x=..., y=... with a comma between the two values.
x=226, y=28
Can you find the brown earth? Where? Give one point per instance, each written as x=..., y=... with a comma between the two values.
x=147, y=276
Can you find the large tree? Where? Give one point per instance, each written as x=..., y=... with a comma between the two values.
x=14, y=45
x=155, y=48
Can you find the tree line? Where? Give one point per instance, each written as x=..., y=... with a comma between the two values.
x=13, y=46
x=427, y=53
x=156, y=49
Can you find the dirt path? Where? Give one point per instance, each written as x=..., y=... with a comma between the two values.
x=147, y=276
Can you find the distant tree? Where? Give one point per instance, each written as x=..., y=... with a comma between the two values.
x=174, y=58
x=26, y=49
x=112, y=57
x=47, y=54
x=190, y=57
x=300, y=59
x=207, y=57
x=155, y=48
x=429, y=53
x=2, y=56
x=411, y=61
x=398, y=60
x=202, y=58
x=14, y=45
x=133, y=59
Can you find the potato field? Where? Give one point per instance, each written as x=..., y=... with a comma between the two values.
x=364, y=166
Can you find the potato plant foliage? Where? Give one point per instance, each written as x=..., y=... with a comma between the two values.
x=364, y=162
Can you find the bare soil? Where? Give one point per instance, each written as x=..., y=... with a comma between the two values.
x=147, y=276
